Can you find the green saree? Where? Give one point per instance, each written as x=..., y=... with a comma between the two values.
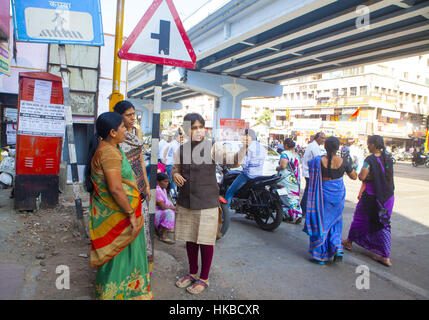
x=121, y=259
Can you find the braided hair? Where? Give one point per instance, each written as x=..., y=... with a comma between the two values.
x=332, y=144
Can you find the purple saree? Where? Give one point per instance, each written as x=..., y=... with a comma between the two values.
x=370, y=228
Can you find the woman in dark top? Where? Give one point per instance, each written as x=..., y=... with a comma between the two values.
x=325, y=204
x=371, y=221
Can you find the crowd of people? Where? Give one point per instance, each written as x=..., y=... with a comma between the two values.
x=118, y=183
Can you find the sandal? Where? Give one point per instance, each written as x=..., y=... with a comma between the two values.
x=347, y=244
x=167, y=240
x=199, y=283
x=382, y=260
x=185, y=281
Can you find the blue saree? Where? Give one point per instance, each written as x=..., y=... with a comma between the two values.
x=324, y=219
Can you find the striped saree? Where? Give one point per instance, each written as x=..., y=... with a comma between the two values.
x=324, y=219
x=121, y=259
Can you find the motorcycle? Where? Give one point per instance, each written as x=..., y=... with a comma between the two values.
x=420, y=159
x=258, y=199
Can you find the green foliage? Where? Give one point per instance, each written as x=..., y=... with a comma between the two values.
x=265, y=118
x=166, y=119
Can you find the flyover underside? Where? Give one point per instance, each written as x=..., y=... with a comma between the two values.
x=320, y=36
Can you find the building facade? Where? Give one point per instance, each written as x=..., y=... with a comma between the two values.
x=388, y=99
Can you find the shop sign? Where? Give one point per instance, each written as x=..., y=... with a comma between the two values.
x=391, y=114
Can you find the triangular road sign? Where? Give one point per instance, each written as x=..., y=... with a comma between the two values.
x=160, y=38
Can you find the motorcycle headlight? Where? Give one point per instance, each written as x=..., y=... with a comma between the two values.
x=218, y=177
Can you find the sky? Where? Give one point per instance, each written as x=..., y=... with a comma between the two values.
x=135, y=9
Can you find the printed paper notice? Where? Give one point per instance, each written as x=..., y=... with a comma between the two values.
x=42, y=91
x=39, y=119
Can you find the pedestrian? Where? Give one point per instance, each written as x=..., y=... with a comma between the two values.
x=370, y=227
x=165, y=210
x=197, y=212
x=253, y=165
x=291, y=180
x=161, y=147
x=357, y=155
x=326, y=196
x=313, y=150
x=133, y=149
x=116, y=223
x=169, y=161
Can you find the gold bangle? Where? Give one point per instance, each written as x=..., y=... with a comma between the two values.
x=130, y=212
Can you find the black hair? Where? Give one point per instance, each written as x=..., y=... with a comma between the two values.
x=162, y=176
x=251, y=133
x=123, y=106
x=332, y=144
x=191, y=118
x=378, y=143
x=317, y=135
x=289, y=143
x=104, y=124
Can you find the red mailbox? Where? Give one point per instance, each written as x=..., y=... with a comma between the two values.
x=40, y=134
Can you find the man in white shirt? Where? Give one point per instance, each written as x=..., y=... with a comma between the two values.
x=161, y=146
x=312, y=151
x=253, y=165
x=168, y=159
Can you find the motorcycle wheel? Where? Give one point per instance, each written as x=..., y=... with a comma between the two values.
x=224, y=220
x=427, y=164
x=414, y=163
x=272, y=222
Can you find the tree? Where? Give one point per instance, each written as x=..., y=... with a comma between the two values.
x=265, y=118
x=165, y=119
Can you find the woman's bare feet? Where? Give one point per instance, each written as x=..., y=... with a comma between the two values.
x=347, y=244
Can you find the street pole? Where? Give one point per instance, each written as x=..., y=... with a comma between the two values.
x=116, y=95
x=155, y=146
x=65, y=75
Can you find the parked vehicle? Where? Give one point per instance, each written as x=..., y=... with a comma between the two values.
x=420, y=159
x=258, y=199
x=7, y=168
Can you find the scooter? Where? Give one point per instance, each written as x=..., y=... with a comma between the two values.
x=420, y=159
x=7, y=169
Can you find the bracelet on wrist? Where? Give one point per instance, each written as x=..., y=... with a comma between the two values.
x=130, y=212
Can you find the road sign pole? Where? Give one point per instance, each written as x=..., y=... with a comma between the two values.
x=155, y=146
x=116, y=95
x=70, y=136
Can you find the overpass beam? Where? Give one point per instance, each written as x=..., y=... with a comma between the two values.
x=228, y=90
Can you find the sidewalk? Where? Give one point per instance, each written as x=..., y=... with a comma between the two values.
x=33, y=245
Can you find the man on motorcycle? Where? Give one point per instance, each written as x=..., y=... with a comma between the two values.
x=252, y=165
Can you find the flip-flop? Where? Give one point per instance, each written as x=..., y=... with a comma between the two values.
x=167, y=241
x=185, y=281
x=346, y=246
x=379, y=260
x=199, y=282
